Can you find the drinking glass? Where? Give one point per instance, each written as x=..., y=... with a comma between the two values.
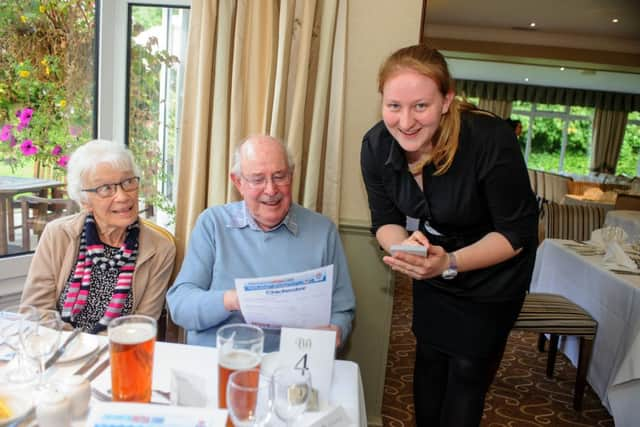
x=132, y=342
x=249, y=398
x=291, y=390
x=40, y=338
x=10, y=324
x=239, y=348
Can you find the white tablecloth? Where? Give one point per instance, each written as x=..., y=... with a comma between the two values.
x=346, y=387
x=614, y=301
x=629, y=221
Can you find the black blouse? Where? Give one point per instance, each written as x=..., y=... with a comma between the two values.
x=486, y=189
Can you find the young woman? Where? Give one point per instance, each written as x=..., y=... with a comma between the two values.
x=460, y=172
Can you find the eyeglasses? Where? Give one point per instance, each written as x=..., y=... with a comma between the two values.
x=260, y=181
x=108, y=190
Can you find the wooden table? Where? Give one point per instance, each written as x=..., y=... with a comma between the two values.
x=9, y=187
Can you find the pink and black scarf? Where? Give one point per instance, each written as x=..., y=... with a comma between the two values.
x=90, y=253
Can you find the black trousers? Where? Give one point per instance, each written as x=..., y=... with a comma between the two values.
x=448, y=390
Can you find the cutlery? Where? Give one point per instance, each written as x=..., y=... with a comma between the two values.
x=53, y=359
x=632, y=273
x=91, y=361
x=98, y=370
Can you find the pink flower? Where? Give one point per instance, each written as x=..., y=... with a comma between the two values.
x=27, y=148
x=5, y=133
x=25, y=115
x=62, y=161
x=56, y=150
x=74, y=130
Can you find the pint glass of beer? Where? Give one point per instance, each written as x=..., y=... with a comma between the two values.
x=239, y=348
x=131, y=343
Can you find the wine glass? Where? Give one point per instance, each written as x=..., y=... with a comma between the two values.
x=291, y=389
x=10, y=324
x=249, y=398
x=40, y=338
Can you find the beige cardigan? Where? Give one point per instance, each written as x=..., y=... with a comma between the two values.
x=57, y=252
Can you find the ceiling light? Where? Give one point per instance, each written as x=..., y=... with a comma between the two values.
x=561, y=68
x=533, y=24
x=526, y=79
x=615, y=20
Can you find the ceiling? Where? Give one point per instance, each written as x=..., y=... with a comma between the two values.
x=494, y=40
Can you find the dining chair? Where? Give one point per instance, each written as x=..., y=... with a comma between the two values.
x=571, y=222
x=557, y=316
x=37, y=211
x=167, y=330
x=629, y=202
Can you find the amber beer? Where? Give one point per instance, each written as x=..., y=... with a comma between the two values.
x=131, y=343
x=239, y=347
x=236, y=360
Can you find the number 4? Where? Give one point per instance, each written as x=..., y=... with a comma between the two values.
x=301, y=364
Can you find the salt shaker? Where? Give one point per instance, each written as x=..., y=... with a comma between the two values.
x=53, y=410
x=78, y=391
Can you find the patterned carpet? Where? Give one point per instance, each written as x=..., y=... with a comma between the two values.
x=521, y=394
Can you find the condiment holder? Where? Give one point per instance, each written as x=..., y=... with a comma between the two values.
x=53, y=409
x=78, y=390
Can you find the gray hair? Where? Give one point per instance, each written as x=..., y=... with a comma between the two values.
x=237, y=154
x=85, y=158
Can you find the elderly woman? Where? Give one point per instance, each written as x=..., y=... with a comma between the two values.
x=103, y=262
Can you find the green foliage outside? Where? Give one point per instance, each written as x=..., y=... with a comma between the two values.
x=46, y=69
x=547, y=139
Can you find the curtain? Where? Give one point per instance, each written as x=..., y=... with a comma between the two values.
x=262, y=66
x=497, y=107
x=608, y=133
x=549, y=95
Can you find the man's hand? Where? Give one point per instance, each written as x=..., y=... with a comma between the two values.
x=333, y=328
x=230, y=300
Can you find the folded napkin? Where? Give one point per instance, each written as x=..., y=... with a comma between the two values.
x=603, y=236
x=615, y=255
x=187, y=389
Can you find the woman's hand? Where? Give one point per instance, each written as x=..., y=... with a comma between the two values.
x=416, y=266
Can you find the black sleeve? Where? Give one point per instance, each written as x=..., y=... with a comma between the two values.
x=505, y=182
x=381, y=204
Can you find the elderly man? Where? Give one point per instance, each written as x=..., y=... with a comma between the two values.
x=264, y=235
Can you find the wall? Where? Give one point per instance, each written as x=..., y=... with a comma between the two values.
x=375, y=29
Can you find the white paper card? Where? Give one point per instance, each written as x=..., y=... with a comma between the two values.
x=334, y=417
x=311, y=349
x=298, y=300
x=120, y=414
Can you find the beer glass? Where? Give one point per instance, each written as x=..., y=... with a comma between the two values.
x=131, y=343
x=239, y=348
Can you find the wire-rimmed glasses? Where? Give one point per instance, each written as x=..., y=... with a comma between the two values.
x=11, y=322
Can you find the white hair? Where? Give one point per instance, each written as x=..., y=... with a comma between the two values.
x=237, y=154
x=85, y=158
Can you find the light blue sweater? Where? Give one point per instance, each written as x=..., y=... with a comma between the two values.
x=226, y=244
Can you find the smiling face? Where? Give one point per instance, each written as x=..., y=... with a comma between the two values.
x=115, y=212
x=268, y=202
x=411, y=109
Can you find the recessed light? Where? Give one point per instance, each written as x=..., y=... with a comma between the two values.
x=561, y=68
x=615, y=20
x=533, y=24
x=526, y=79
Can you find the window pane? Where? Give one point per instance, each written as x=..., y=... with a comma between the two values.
x=521, y=105
x=157, y=52
x=551, y=107
x=46, y=104
x=630, y=151
x=546, y=144
x=576, y=158
x=581, y=111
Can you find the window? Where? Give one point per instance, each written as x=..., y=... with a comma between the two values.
x=555, y=138
x=629, y=160
x=46, y=106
